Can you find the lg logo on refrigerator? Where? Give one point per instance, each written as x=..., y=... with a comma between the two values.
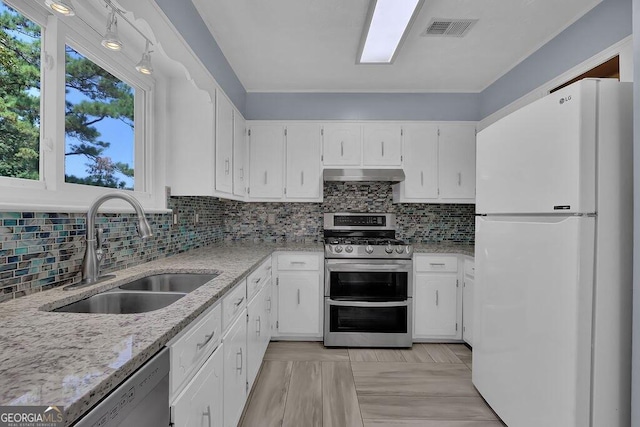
x=563, y=100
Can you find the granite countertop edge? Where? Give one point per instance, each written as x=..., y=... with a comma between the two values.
x=109, y=348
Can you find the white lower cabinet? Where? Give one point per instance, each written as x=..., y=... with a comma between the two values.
x=235, y=370
x=437, y=299
x=298, y=295
x=258, y=331
x=200, y=403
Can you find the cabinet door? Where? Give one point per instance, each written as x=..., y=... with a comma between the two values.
x=299, y=299
x=467, y=310
x=200, y=403
x=266, y=152
x=239, y=156
x=235, y=370
x=435, y=303
x=303, y=161
x=457, y=160
x=421, y=161
x=258, y=331
x=342, y=144
x=224, y=144
x=382, y=145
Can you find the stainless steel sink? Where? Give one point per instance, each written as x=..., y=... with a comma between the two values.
x=169, y=282
x=115, y=302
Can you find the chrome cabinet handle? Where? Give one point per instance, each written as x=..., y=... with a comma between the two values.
x=459, y=179
x=341, y=148
x=382, y=148
x=421, y=178
x=301, y=177
x=207, y=338
x=239, y=368
x=269, y=301
x=298, y=296
x=239, y=302
x=265, y=177
x=298, y=263
x=207, y=414
x=241, y=173
x=437, y=264
x=437, y=299
x=258, y=326
x=226, y=166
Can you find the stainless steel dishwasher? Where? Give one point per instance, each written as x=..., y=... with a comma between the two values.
x=142, y=400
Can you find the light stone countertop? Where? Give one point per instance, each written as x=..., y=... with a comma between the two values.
x=443, y=248
x=75, y=359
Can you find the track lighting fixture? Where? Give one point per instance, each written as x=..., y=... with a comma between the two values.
x=61, y=6
x=111, y=39
x=144, y=66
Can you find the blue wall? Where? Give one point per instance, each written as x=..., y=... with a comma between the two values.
x=363, y=106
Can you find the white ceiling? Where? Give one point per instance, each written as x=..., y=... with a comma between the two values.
x=311, y=45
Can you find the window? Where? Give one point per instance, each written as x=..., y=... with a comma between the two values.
x=74, y=116
x=99, y=125
x=19, y=95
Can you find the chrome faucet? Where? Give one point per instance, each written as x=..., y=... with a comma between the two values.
x=93, y=252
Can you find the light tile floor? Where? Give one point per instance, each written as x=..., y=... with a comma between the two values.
x=305, y=384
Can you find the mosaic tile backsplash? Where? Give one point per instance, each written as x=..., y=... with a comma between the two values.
x=42, y=250
x=425, y=223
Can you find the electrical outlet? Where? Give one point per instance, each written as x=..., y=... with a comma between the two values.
x=174, y=218
x=271, y=218
x=196, y=218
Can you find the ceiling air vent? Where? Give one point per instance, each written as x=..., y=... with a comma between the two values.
x=440, y=27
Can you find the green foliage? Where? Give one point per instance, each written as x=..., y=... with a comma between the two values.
x=105, y=97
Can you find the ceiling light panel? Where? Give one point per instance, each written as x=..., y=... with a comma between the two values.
x=386, y=29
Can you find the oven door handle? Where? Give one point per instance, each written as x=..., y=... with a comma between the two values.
x=371, y=304
x=362, y=267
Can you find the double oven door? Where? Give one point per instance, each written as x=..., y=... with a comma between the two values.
x=368, y=303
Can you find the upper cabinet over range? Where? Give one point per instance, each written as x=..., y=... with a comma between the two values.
x=357, y=145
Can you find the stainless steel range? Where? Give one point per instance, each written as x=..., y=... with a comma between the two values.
x=368, y=282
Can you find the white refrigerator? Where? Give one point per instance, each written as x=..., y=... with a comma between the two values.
x=552, y=321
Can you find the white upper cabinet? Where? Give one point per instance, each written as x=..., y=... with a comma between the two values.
x=239, y=156
x=421, y=161
x=224, y=144
x=342, y=144
x=439, y=164
x=192, y=130
x=382, y=145
x=266, y=162
x=457, y=159
x=303, y=172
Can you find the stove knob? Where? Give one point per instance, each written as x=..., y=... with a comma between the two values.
x=338, y=249
x=348, y=249
x=388, y=249
x=400, y=249
x=368, y=249
x=408, y=248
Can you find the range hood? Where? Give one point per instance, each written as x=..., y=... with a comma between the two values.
x=385, y=175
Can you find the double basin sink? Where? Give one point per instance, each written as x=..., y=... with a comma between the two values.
x=142, y=295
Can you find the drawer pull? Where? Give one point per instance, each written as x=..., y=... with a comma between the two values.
x=298, y=263
x=238, y=302
x=239, y=368
x=207, y=338
x=437, y=264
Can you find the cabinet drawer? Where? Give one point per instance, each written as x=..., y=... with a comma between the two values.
x=258, y=278
x=233, y=303
x=193, y=346
x=470, y=268
x=436, y=263
x=298, y=262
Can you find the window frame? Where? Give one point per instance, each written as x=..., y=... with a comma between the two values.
x=51, y=191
